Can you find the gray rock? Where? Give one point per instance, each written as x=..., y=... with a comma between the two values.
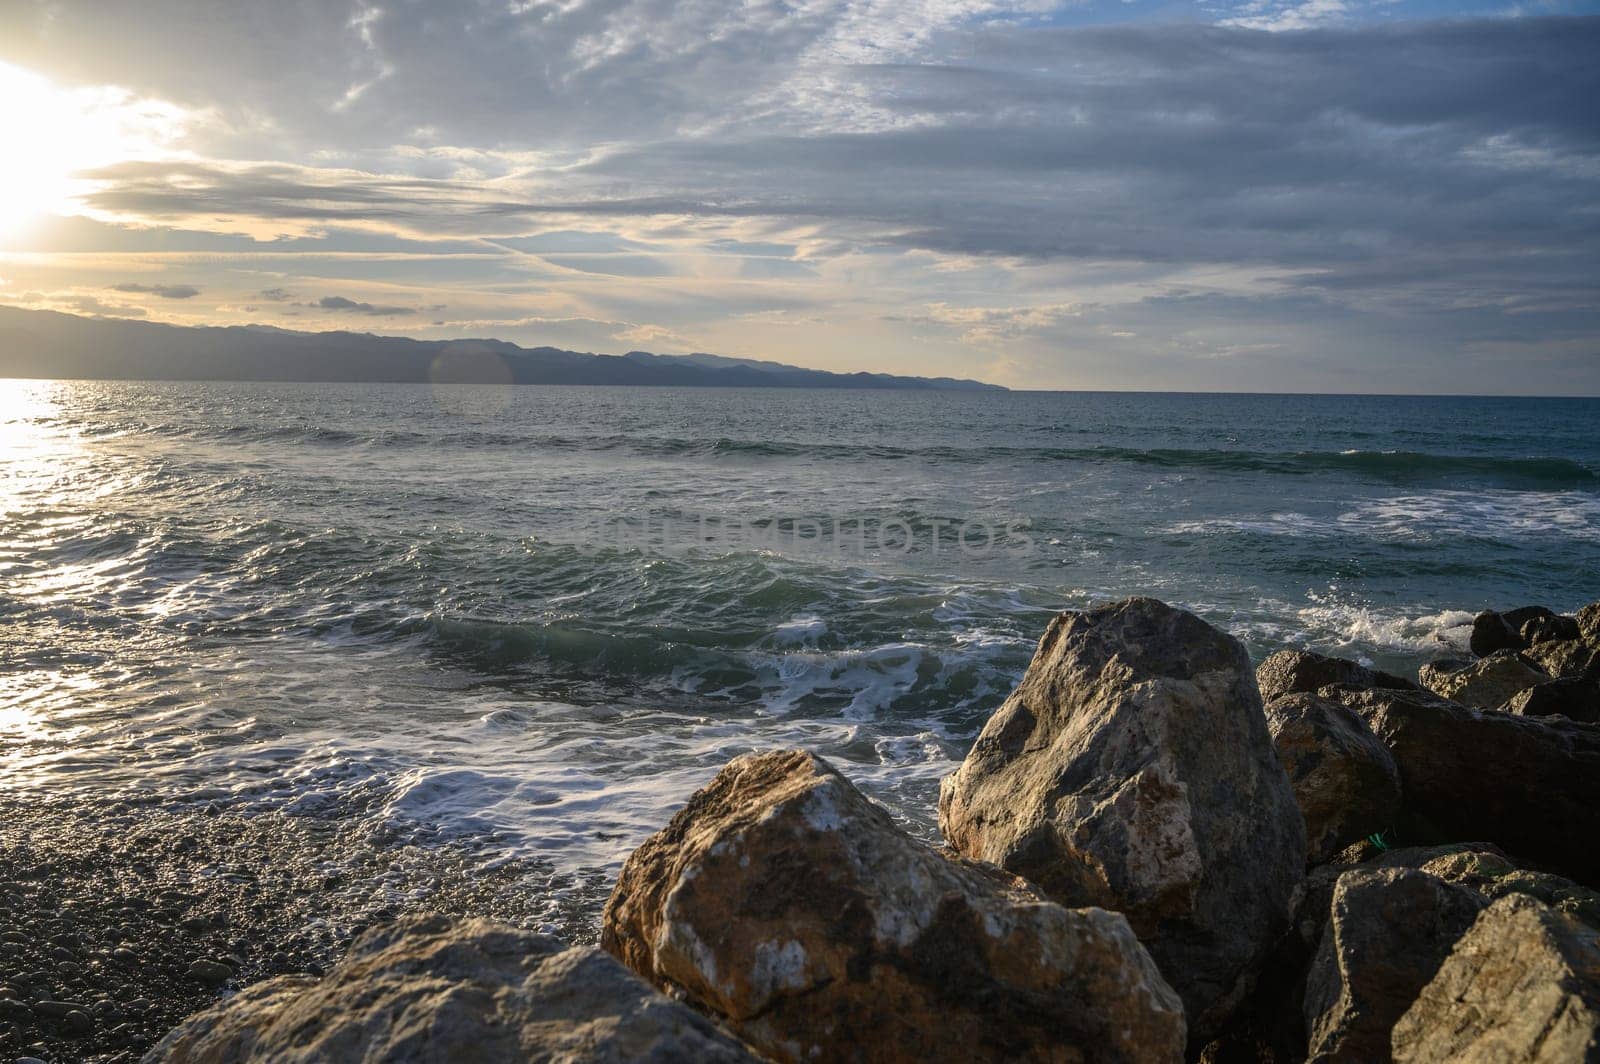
x=1574, y=699
x=430, y=990
x=783, y=901
x=1522, y=985
x=211, y=973
x=1294, y=671
x=56, y=1010
x=1388, y=932
x=1344, y=779
x=1487, y=683
x=1528, y=784
x=1132, y=769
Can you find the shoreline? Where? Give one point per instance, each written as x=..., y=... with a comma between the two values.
x=121, y=921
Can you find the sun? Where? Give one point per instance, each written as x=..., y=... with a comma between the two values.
x=52, y=136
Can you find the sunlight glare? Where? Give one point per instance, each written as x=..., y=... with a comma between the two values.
x=51, y=136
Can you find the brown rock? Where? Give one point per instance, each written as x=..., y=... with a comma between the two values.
x=1529, y=784
x=1487, y=683
x=1566, y=660
x=1496, y=877
x=1523, y=985
x=1294, y=671
x=1573, y=699
x=1132, y=769
x=1588, y=620
x=1434, y=672
x=431, y=989
x=784, y=902
x=1388, y=931
x=1344, y=779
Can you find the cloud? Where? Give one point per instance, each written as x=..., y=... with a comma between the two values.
x=100, y=308
x=978, y=171
x=165, y=291
x=353, y=307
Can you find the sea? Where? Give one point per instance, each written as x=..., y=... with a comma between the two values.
x=531, y=621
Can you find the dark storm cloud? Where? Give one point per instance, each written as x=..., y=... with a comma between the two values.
x=353, y=307
x=165, y=291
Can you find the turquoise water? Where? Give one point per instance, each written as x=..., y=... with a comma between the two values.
x=539, y=617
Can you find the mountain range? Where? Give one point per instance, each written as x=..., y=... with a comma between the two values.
x=47, y=344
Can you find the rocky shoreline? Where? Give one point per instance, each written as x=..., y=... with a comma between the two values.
x=1155, y=852
x=118, y=921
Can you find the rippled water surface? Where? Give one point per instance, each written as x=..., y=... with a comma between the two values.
x=539, y=617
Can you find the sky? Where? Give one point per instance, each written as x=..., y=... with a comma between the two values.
x=1212, y=195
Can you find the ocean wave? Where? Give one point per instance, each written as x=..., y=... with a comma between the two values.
x=1395, y=466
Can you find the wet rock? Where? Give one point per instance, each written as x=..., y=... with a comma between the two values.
x=1388, y=932
x=1132, y=769
x=1344, y=779
x=784, y=902
x=1549, y=629
x=432, y=988
x=1574, y=699
x=1523, y=985
x=1294, y=671
x=1528, y=784
x=1488, y=683
x=1493, y=631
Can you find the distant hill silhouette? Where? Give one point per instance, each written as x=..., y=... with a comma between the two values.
x=45, y=344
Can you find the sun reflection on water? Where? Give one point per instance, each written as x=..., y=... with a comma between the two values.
x=28, y=409
x=32, y=457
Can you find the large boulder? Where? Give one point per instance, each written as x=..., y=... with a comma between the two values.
x=1574, y=699
x=1494, y=876
x=1492, y=632
x=1132, y=769
x=1387, y=933
x=1344, y=779
x=432, y=989
x=1488, y=682
x=1290, y=672
x=1528, y=784
x=1567, y=659
x=1523, y=985
x=785, y=903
